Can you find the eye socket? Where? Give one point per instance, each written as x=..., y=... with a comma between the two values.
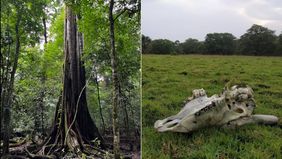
x=247, y=104
x=233, y=103
x=197, y=114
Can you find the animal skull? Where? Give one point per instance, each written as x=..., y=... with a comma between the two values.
x=232, y=108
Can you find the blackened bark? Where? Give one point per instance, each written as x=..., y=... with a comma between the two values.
x=73, y=125
x=74, y=94
x=115, y=83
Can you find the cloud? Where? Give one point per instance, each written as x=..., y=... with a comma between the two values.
x=182, y=19
x=263, y=12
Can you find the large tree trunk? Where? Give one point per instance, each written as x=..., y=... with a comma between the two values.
x=115, y=83
x=73, y=125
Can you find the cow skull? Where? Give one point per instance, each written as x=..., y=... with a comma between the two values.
x=232, y=108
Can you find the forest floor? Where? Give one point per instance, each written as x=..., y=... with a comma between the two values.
x=168, y=80
x=129, y=147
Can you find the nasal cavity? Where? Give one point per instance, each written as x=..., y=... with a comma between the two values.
x=229, y=106
x=239, y=110
x=172, y=125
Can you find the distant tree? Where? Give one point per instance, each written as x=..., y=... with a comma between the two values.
x=162, y=46
x=220, y=43
x=258, y=40
x=192, y=46
x=237, y=49
x=177, y=47
x=279, y=45
x=201, y=47
x=146, y=42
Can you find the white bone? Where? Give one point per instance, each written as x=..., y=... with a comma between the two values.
x=232, y=108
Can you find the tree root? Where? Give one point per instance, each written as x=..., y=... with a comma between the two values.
x=35, y=156
x=91, y=150
x=56, y=151
x=15, y=143
x=14, y=157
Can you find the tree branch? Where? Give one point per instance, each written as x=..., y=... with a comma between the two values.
x=132, y=11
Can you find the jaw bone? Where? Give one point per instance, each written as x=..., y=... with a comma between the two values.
x=232, y=108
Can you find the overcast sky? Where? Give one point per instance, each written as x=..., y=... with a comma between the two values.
x=182, y=19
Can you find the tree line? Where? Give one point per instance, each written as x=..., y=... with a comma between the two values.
x=257, y=40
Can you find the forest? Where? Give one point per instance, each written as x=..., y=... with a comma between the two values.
x=70, y=79
x=258, y=41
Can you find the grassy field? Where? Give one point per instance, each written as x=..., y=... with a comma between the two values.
x=168, y=81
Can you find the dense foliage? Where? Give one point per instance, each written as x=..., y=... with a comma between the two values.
x=258, y=40
x=220, y=43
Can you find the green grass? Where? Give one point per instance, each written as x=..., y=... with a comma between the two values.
x=168, y=81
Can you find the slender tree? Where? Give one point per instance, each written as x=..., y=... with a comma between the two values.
x=99, y=99
x=10, y=87
x=121, y=7
x=115, y=82
x=39, y=116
